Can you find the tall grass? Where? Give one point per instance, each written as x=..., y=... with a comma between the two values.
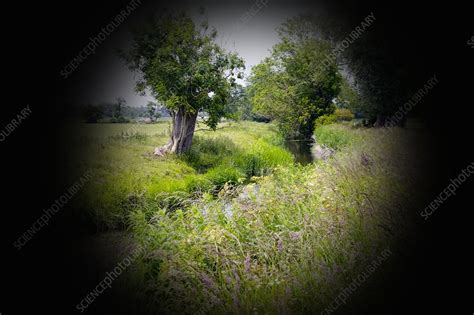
x=337, y=136
x=235, y=227
x=286, y=243
x=120, y=157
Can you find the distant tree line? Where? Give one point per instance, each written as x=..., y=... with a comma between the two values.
x=120, y=112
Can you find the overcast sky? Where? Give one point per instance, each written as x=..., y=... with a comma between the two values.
x=251, y=37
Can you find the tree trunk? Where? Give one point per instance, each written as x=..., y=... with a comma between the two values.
x=381, y=120
x=181, y=134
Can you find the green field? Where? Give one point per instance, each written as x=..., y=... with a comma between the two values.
x=235, y=225
x=124, y=168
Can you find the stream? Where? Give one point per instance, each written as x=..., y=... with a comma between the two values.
x=304, y=152
x=308, y=151
x=301, y=150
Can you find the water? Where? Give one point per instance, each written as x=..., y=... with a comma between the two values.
x=301, y=150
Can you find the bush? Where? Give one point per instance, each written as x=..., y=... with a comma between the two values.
x=119, y=120
x=343, y=114
x=123, y=120
x=326, y=120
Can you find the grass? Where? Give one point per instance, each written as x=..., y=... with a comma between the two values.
x=286, y=243
x=337, y=136
x=235, y=227
x=119, y=156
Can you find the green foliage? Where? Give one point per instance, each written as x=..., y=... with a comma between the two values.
x=296, y=84
x=238, y=105
x=119, y=155
x=261, y=158
x=208, y=152
x=152, y=111
x=336, y=136
x=182, y=66
x=292, y=241
x=349, y=98
x=343, y=114
x=223, y=174
x=378, y=77
x=326, y=120
x=118, y=111
x=339, y=115
x=222, y=161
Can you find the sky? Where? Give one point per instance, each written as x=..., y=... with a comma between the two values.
x=248, y=28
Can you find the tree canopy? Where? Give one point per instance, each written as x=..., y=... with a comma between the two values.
x=185, y=70
x=293, y=86
x=376, y=74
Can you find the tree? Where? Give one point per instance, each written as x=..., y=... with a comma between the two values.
x=152, y=111
x=118, y=107
x=377, y=75
x=240, y=107
x=349, y=98
x=185, y=70
x=292, y=87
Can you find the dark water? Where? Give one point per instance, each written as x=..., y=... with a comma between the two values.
x=301, y=150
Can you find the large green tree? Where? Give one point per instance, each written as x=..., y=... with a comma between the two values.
x=377, y=76
x=292, y=87
x=182, y=66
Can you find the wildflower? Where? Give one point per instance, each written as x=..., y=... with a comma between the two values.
x=207, y=281
x=295, y=236
x=365, y=160
x=247, y=264
x=280, y=245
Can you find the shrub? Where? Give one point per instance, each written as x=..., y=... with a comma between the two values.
x=123, y=120
x=343, y=114
x=326, y=120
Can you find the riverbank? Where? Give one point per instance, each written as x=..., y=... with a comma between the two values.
x=277, y=236
x=125, y=171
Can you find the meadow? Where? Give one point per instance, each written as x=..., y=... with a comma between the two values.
x=125, y=170
x=237, y=226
